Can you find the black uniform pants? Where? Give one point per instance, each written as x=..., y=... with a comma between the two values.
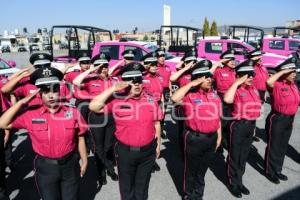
x=262, y=95
x=102, y=128
x=2, y=160
x=225, y=122
x=57, y=181
x=279, y=129
x=178, y=116
x=240, y=139
x=199, y=149
x=83, y=108
x=134, y=170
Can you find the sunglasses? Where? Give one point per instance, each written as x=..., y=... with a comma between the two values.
x=190, y=61
x=250, y=74
x=102, y=65
x=86, y=62
x=42, y=66
x=206, y=75
x=137, y=79
x=128, y=58
x=153, y=64
x=50, y=88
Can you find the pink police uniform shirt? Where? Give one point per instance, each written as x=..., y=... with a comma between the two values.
x=261, y=77
x=69, y=77
x=52, y=135
x=153, y=86
x=92, y=86
x=202, y=111
x=4, y=98
x=285, y=97
x=184, y=79
x=224, y=78
x=247, y=103
x=135, y=119
x=165, y=73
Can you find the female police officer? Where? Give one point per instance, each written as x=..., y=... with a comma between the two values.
x=202, y=110
x=285, y=100
x=246, y=109
x=54, y=130
x=91, y=83
x=137, y=117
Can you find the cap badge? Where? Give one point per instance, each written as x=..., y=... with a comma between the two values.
x=47, y=73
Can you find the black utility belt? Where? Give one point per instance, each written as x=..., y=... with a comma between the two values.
x=138, y=149
x=199, y=134
x=282, y=115
x=58, y=161
x=246, y=121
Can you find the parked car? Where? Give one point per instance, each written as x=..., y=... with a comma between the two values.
x=34, y=47
x=7, y=68
x=115, y=48
x=22, y=48
x=5, y=49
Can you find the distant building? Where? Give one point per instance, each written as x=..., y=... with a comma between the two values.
x=167, y=15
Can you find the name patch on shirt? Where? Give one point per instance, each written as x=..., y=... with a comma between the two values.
x=68, y=114
x=243, y=94
x=31, y=91
x=125, y=107
x=150, y=100
x=38, y=120
x=284, y=89
x=197, y=101
x=96, y=85
x=225, y=75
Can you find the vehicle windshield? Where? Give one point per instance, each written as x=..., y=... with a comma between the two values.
x=293, y=45
x=153, y=47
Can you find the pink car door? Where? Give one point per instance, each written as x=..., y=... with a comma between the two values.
x=211, y=50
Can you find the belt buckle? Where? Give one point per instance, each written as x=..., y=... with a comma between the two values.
x=136, y=149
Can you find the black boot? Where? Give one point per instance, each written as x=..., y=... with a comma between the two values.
x=113, y=175
x=235, y=191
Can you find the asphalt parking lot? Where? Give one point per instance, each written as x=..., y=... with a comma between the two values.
x=167, y=183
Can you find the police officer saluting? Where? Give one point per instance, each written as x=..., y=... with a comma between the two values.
x=285, y=100
x=224, y=77
x=202, y=109
x=128, y=57
x=91, y=83
x=137, y=118
x=56, y=135
x=246, y=109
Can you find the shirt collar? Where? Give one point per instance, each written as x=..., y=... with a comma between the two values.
x=44, y=109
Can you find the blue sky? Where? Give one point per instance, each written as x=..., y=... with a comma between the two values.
x=147, y=15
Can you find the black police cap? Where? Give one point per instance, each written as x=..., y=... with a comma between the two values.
x=289, y=63
x=40, y=59
x=160, y=52
x=229, y=54
x=254, y=53
x=84, y=57
x=189, y=56
x=245, y=66
x=46, y=76
x=149, y=58
x=101, y=58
